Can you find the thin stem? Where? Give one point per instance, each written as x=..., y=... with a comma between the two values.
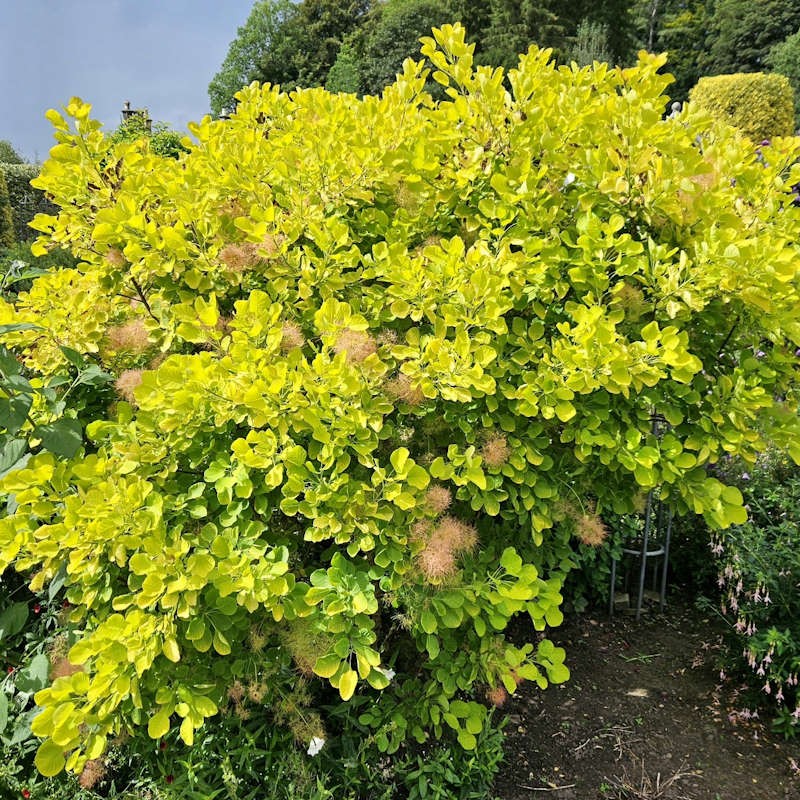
x=728, y=337
x=143, y=299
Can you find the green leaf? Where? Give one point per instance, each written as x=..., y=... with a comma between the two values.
x=511, y=561
x=12, y=620
x=327, y=666
x=35, y=675
x=63, y=437
x=418, y=477
x=3, y=710
x=428, y=622
x=221, y=643
x=8, y=363
x=476, y=476
x=49, y=758
x=187, y=731
x=557, y=673
x=73, y=356
x=405, y=500
x=11, y=454
x=347, y=684
x=13, y=327
x=14, y=411
x=158, y=724
x=467, y=740
x=399, y=458
x=171, y=650
x=93, y=376
x=565, y=411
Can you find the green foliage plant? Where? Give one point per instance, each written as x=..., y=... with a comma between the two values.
x=7, y=237
x=390, y=34
x=377, y=359
x=784, y=58
x=741, y=33
x=759, y=570
x=304, y=47
x=8, y=155
x=160, y=138
x=253, y=39
x=26, y=202
x=591, y=43
x=759, y=104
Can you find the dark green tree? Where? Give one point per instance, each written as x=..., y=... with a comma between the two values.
x=741, y=34
x=345, y=74
x=253, y=40
x=785, y=59
x=305, y=46
x=679, y=28
x=475, y=17
x=8, y=155
x=516, y=24
x=583, y=20
x=389, y=36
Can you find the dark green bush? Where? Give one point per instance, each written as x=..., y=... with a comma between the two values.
x=6, y=216
x=26, y=202
x=18, y=266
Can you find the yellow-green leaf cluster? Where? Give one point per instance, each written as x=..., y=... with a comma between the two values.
x=760, y=105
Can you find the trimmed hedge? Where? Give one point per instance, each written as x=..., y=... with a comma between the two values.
x=26, y=202
x=760, y=105
x=6, y=216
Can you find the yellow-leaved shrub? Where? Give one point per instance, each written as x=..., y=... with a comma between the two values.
x=761, y=105
x=374, y=359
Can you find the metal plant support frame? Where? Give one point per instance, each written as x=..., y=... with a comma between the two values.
x=654, y=544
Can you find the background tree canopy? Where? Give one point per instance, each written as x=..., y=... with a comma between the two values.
x=253, y=40
x=359, y=45
x=8, y=155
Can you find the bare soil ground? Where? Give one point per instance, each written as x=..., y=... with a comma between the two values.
x=644, y=717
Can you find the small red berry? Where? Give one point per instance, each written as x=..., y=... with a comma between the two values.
x=162, y=745
x=37, y=609
x=26, y=794
x=10, y=670
x=170, y=778
x=65, y=604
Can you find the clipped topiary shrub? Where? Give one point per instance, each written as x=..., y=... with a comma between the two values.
x=758, y=104
x=378, y=362
x=26, y=202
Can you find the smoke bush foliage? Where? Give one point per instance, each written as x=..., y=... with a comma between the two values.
x=378, y=361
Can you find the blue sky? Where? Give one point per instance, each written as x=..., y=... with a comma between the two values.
x=159, y=54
